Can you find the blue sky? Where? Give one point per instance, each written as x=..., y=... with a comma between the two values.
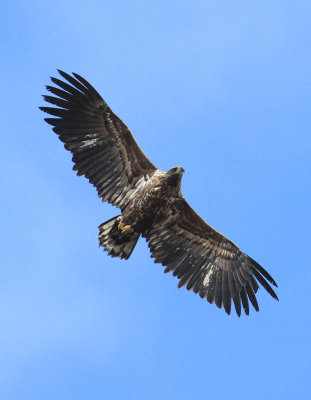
x=222, y=88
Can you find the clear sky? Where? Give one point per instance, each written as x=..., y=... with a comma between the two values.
x=219, y=87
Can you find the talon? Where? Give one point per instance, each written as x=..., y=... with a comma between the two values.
x=124, y=228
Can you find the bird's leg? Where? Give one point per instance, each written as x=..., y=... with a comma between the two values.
x=124, y=228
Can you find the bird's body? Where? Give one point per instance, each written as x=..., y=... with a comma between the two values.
x=150, y=200
x=153, y=200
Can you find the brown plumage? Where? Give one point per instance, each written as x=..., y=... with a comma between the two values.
x=150, y=200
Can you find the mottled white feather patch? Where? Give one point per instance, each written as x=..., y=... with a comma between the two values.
x=90, y=143
x=208, y=276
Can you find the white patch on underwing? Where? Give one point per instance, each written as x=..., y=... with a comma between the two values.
x=90, y=143
x=208, y=276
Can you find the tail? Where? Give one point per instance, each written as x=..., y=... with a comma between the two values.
x=117, y=244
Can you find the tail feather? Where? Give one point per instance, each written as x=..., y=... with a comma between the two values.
x=117, y=244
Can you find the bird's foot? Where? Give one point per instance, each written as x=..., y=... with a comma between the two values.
x=124, y=228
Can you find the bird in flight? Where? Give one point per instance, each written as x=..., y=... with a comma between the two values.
x=151, y=202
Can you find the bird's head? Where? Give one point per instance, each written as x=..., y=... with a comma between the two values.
x=176, y=171
x=174, y=176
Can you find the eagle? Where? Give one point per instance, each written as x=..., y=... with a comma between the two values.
x=151, y=202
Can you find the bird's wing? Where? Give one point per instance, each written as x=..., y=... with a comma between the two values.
x=103, y=148
x=206, y=261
